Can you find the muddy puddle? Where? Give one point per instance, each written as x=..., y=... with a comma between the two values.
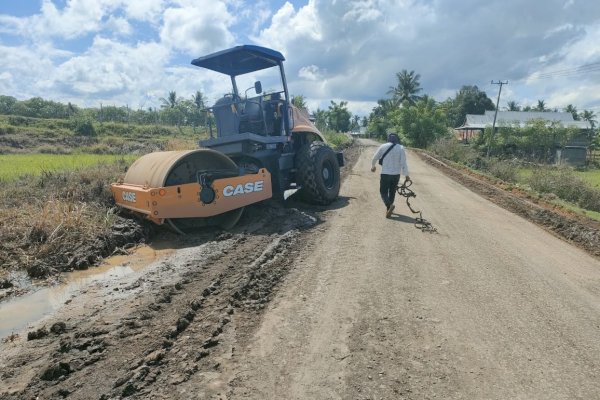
x=18, y=313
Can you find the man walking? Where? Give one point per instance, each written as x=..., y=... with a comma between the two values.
x=392, y=158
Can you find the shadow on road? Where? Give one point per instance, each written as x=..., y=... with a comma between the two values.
x=403, y=218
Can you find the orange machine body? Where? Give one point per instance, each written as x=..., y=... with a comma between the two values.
x=183, y=201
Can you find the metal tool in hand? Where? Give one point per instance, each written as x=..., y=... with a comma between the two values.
x=420, y=222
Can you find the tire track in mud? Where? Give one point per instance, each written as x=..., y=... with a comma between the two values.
x=168, y=330
x=172, y=331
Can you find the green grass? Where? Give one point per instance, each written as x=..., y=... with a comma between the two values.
x=524, y=174
x=591, y=176
x=13, y=166
x=337, y=140
x=578, y=210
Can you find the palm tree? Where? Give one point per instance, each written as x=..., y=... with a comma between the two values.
x=355, y=122
x=590, y=117
x=541, y=106
x=407, y=88
x=198, y=100
x=384, y=106
x=171, y=101
x=513, y=106
x=570, y=108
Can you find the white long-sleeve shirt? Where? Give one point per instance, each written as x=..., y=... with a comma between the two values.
x=394, y=162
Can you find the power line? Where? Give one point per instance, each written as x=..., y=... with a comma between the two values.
x=587, y=68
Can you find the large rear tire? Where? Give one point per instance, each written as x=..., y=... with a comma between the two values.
x=317, y=173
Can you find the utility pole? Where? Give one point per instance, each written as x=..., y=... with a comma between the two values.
x=501, y=83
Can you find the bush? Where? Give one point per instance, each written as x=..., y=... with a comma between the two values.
x=83, y=126
x=7, y=130
x=336, y=140
x=452, y=150
x=18, y=121
x=567, y=186
x=503, y=169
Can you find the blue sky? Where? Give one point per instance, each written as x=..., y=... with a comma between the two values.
x=135, y=51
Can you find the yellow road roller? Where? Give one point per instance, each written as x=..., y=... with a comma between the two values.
x=262, y=146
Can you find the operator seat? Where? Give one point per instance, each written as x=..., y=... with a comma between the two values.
x=252, y=117
x=227, y=118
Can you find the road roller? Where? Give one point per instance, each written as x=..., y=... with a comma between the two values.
x=259, y=147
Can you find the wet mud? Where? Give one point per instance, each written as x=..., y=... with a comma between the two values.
x=169, y=329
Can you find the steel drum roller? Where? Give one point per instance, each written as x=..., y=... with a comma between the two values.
x=171, y=168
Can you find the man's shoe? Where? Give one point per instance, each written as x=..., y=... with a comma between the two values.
x=389, y=211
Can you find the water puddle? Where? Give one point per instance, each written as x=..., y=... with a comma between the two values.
x=18, y=313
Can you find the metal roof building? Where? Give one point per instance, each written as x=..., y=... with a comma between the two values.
x=574, y=153
x=520, y=119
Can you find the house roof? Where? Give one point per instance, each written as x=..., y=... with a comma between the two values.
x=520, y=119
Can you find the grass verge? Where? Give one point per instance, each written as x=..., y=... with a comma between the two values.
x=337, y=140
x=577, y=189
x=61, y=220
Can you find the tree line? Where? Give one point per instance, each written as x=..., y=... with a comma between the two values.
x=420, y=120
x=336, y=117
x=174, y=110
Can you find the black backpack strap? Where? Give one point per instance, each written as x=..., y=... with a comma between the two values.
x=386, y=153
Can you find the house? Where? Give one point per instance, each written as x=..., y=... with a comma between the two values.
x=475, y=123
x=574, y=153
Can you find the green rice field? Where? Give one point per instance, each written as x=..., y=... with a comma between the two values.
x=591, y=176
x=15, y=165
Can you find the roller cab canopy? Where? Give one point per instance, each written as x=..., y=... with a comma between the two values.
x=240, y=60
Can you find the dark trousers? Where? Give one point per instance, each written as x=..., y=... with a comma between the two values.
x=387, y=188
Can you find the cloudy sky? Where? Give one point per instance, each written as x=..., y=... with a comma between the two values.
x=135, y=51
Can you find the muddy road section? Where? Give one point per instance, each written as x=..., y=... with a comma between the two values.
x=173, y=321
x=150, y=331
x=347, y=305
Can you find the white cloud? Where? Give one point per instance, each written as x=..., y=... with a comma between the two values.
x=347, y=50
x=23, y=68
x=111, y=68
x=310, y=73
x=571, y=73
x=77, y=18
x=118, y=25
x=80, y=17
x=144, y=10
x=359, y=45
x=288, y=26
x=197, y=27
x=362, y=11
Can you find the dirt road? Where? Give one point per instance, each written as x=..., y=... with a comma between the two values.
x=355, y=307
x=492, y=307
